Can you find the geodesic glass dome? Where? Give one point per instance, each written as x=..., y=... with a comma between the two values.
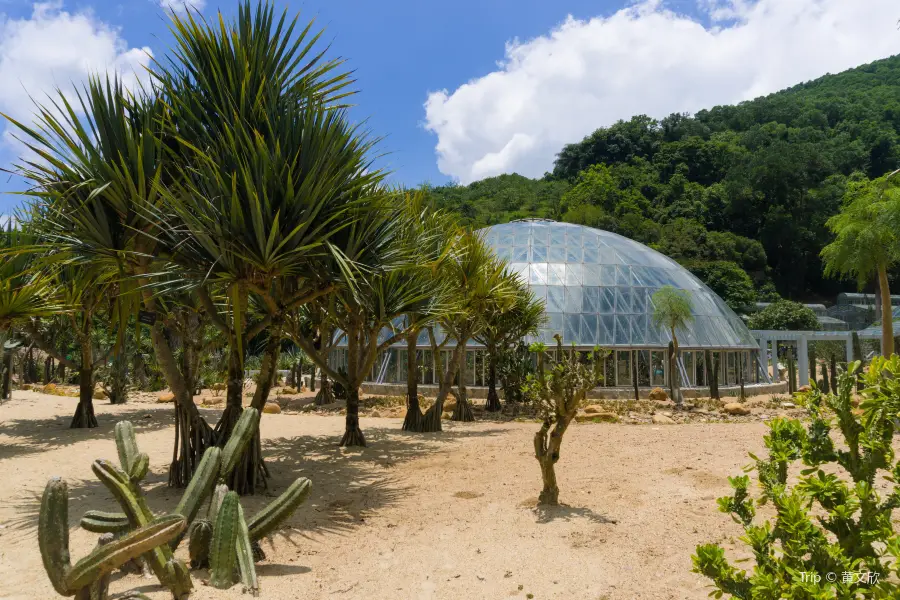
x=598, y=287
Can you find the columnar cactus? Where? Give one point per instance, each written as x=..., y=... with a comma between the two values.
x=87, y=578
x=223, y=540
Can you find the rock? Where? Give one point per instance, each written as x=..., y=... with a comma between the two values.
x=288, y=390
x=213, y=400
x=449, y=405
x=593, y=409
x=662, y=420
x=164, y=398
x=446, y=416
x=736, y=408
x=26, y=386
x=606, y=417
x=272, y=409
x=658, y=394
x=99, y=395
x=375, y=414
x=788, y=405
x=803, y=388
x=50, y=388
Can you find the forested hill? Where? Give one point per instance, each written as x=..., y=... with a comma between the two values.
x=740, y=194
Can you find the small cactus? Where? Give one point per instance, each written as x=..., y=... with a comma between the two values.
x=199, y=538
x=240, y=436
x=277, y=511
x=87, y=578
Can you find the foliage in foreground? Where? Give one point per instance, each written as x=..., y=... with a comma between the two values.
x=832, y=535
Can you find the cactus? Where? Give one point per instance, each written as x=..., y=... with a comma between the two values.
x=87, y=578
x=222, y=548
x=199, y=538
x=133, y=462
x=97, y=521
x=170, y=572
x=199, y=488
x=240, y=436
x=270, y=517
x=245, y=554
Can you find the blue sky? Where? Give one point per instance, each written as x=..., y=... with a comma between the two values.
x=467, y=89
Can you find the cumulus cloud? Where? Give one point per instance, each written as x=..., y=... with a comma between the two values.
x=181, y=6
x=56, y=49
x=585, y=74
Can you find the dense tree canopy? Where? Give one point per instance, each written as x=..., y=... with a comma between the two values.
x=785, y=315
x=751, y=184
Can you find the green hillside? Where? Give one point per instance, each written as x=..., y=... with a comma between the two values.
x=740, y=194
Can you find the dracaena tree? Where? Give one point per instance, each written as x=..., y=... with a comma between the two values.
x=477, y=281
x=672, y=310
x=101, y=162
x=383, y=281
x=503, y=324
x=269, y=168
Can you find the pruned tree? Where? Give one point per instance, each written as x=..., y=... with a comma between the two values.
x=557, y=393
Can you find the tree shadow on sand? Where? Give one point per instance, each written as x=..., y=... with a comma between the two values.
x=548, y=514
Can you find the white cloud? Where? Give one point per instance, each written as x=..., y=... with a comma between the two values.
x=181, y=6
x=557, y=88
x=54, y=48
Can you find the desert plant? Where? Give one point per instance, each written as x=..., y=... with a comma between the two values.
x=216, y=465
x=557, y=394
x=514, y=365
x=88, y=579
x=833, y=534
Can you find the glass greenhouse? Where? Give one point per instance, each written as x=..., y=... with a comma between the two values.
x=598, y=287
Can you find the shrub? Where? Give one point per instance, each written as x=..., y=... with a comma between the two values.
x=785, y=315
x=832, y=535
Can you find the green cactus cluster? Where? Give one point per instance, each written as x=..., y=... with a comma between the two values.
x=228, y=544
x=88, y=579
x=224, y=541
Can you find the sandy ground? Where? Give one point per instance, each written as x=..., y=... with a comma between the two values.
x=448, y=515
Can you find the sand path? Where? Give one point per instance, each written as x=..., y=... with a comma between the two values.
x=433, y=516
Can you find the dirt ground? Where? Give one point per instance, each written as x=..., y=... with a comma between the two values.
x=449, y=515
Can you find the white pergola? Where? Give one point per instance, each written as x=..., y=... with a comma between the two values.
x=767, y=337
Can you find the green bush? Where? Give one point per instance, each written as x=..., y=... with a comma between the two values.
x=832, y=535
x=785, y=315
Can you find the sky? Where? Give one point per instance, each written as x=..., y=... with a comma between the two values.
x=469, y=89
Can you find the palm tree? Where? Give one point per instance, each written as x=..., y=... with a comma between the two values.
x=866, y=243
x=672, y=310
x=384, y=282
x=503, y=325
x=478, y=282
x=269, y=169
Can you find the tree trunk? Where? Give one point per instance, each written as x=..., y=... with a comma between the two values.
x=858, y=351
x=325, y=394
x=825, y=379
x=84, y=414
x=887, y=318
x=463, y=410
x=414, y=420
x=713, y=378
x=353, y=435
x=61, y=373
x=634, y=374
x=6, y=375
x=493, y=399
x=48, y=369
x=432, y=420
x=312, y=378
x=547, y=451
x=834, y=386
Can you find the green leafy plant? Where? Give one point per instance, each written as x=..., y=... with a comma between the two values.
x=832, y=535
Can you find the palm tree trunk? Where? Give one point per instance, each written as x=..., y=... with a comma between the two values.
x=493, y=399
x=433, y=415
x=6, y=375
x=353, y=435
x=414, y=417
x=887, y=318
x=463, y=410
x=84, y=413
